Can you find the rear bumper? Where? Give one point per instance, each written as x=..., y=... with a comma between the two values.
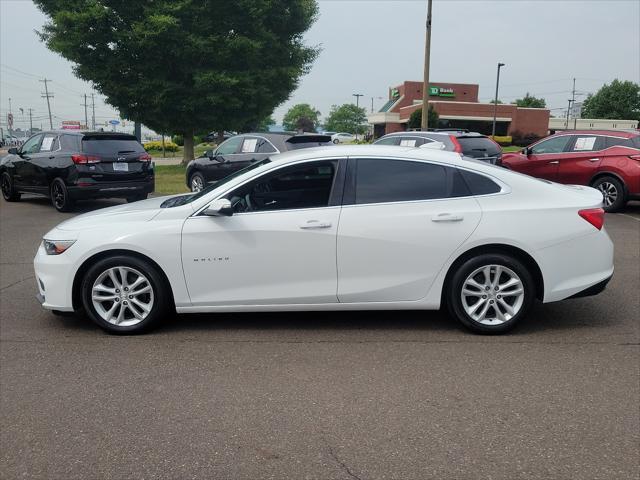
x=112, y=189
x=593, y=290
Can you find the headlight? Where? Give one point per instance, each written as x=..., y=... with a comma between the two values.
x=56, y=247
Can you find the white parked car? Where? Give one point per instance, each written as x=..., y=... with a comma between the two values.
x=343, y=228
x=338, y=138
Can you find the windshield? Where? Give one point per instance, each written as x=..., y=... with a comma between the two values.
x=184, y=199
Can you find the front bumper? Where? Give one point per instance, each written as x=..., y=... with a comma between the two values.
x=54, y=279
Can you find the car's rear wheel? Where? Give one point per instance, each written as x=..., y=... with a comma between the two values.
x=197, y=182
x=613, y=193
x=9, y=192
x=490, y=293
x=137, y=198
x=124, y=294
x=60, y=197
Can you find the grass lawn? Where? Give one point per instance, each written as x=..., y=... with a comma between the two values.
x=198, y=151
x=170, y=179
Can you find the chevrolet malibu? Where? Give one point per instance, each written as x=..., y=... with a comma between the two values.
x=343, y=228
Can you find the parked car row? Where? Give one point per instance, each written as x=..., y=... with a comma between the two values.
x=69, y=166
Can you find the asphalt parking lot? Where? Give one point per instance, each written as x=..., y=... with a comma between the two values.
x=325, y=395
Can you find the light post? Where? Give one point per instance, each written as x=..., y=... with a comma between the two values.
x=495, y=102
x=427, y=56
x=357, y=95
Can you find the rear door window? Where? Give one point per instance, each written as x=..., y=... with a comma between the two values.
x=379, y=181
x=588, y=143
x=479, y=184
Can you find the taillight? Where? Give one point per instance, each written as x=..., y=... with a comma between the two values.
x=144, y=157
x=595, y=216
x=83, y=159
x=456, y=144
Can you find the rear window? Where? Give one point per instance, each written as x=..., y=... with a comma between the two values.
x=308, y=141
x=478, y=146
x=104, y=145
x=633, y=142
x=479, y=184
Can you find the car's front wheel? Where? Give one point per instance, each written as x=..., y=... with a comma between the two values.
x=490, y=293
x=196, y=183
x=124, y=294
x=613, y=194
x=9, y=192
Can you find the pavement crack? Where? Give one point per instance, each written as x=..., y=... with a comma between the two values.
x=342, y=465
x=16, y=283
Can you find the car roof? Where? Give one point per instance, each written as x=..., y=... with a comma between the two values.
x=86, y=133
x=430, y=133
x=279, y=139
x=611, y=133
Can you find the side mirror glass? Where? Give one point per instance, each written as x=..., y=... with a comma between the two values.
x=12, y=151
x=209, y=154
x=219, y=208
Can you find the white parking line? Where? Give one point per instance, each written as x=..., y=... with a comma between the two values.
x=628, y=216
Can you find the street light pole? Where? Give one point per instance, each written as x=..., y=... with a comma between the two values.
x=357, y=95
x=495, y=103
x=427, y=56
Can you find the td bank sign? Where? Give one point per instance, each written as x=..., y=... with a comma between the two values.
x=441, y=92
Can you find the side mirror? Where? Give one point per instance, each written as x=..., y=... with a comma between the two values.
x=12, y=151
x=526, y=151
x=209, y=154
x=219, y=208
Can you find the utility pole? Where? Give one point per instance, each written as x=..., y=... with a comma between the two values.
x=495, y=102
x=568, y=111
x=30, y=121
x=86, y=119
x=427, y=57
x=47, y=95
x=573, y=102
x=93, y=112
x=10, y=123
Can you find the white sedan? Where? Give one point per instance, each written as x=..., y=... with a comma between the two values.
x=338, y=138
x=344, y=228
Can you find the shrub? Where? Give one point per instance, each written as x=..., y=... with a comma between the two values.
x=178, y=140
x=523, y=139
x=504, y=141
x=157, y=145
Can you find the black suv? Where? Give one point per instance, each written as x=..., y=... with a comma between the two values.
x=469, y=144
x=68, y=166
x=242, y=150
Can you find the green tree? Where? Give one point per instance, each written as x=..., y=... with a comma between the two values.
x=620, y=100
x=181, y=65
x=529, y=101
x=415, y=120
x=346, y=118
x=265, y=123
x=301, y=117
x=499, y=102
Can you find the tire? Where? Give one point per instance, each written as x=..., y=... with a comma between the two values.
x=613, y=193
x=60, y=197
x=137, y=198
x=9, y=192
x=497, y=318
x=336, y=141
x=197, y=182
x=117, y=313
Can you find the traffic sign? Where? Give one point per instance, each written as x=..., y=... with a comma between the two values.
x=114, y=122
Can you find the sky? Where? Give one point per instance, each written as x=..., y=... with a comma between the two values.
x=369, y=46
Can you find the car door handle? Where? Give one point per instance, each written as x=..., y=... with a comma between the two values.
x=594, y=159
x=51, y=157
x=555, y=162
x=312, y=224
x=447, y=217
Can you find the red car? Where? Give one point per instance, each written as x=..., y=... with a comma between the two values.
x=604, y=159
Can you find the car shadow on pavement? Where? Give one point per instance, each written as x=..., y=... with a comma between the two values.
x=83, y=206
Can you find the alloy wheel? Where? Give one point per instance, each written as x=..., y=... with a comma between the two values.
x=609, y=193
x=492, y=294
x=122, y=296
x=57, y=192
x=196, y=183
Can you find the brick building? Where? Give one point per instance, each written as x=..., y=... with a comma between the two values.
x=458, y=107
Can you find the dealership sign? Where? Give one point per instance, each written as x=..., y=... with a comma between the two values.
x=441, y=92
x=70, y=125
